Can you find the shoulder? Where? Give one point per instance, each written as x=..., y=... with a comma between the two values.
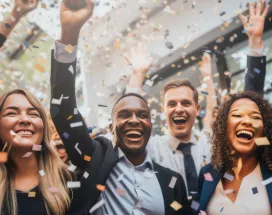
x=103, y=141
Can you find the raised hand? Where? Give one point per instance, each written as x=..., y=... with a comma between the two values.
x=72, y=20
x=22, y=7
x=254, y=26
x=139, y=59
x=206, y=66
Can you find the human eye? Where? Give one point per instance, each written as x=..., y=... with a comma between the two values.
x=34, y=114
x=10, y=113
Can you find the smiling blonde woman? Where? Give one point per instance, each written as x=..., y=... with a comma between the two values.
x=33, y=168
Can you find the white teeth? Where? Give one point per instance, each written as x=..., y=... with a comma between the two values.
x=24, y=132
x=134, y=132
x=245, y=132
x=179, y=118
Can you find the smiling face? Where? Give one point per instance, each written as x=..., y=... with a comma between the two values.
x=245, y=123
x=18, y=115
x=180, y=110
x=131, y=124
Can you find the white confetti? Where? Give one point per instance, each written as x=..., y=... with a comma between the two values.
x=173, y=182
x=73, y=184
x=72, y=168
x=28, y=154
x=76, y=124
x=86, y=175
x=228, y=176
x=267, y=181
x=75, y=111
x=42, y=173
x=37, y=148
x=78, y=150
x=71, y=69
x=97, y=205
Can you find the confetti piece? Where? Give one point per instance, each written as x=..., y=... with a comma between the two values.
x=86, y=175
x=72, y=168
x=3, y=157
x=32, y=194
x=43, y=5
x=257, y=70
x=76, y=124
x=223, y=13
x=26, y=44
x=120, y=191
x=204, y=93
x=73, y=184
x=42, y=173
x=120, y=177
x=169, y=45
x=87, y=158
x=102, y=106
x=70, y=117
x=7, y=25
x=100, y=187
x=228, y=191
x=176, y=206
x=195, y=205
x=149, y=83
x=267, y=181
x=75, y=111
x=97, y=205
x=69, y=48
x=39, y=67
x=173, y=182
x=65, y=135
x=221, y=209
x=202, y=212
x=208, y=177
x=228, y=176
x=37, y=148
x=254, y=190
x=28, y=154
x=53, y=190
x=78, y=150
x=71, y=69
x=57, y=101
x=262, y=141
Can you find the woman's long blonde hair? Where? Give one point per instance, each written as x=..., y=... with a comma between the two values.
x=56, y=173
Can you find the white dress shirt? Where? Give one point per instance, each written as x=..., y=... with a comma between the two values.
x=246, y=203
x=163, y=150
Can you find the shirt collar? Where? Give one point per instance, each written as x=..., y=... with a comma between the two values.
x=148, y=163
x=174, y=142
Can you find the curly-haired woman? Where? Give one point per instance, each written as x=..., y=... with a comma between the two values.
x=232, y=183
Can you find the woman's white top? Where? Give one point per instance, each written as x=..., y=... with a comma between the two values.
x=252, y=198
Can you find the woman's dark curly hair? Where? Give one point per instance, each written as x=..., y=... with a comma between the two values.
x=222, y=150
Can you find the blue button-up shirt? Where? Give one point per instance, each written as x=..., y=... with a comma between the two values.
x=132, y=190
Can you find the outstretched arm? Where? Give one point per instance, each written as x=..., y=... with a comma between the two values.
x=206, y=71
x=140, y=63
x=68, y=121
x=256, y=62
x=20, y=9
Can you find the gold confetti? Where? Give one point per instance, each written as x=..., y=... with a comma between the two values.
x=70, y=117
x=32, y=194
x=100, y=187
x=69, y=48
x=262, y=141
x=39, y=67
x=87, y=158
x=43, y=5
x=176, y=206
x=3, y=157
x=116, y=44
